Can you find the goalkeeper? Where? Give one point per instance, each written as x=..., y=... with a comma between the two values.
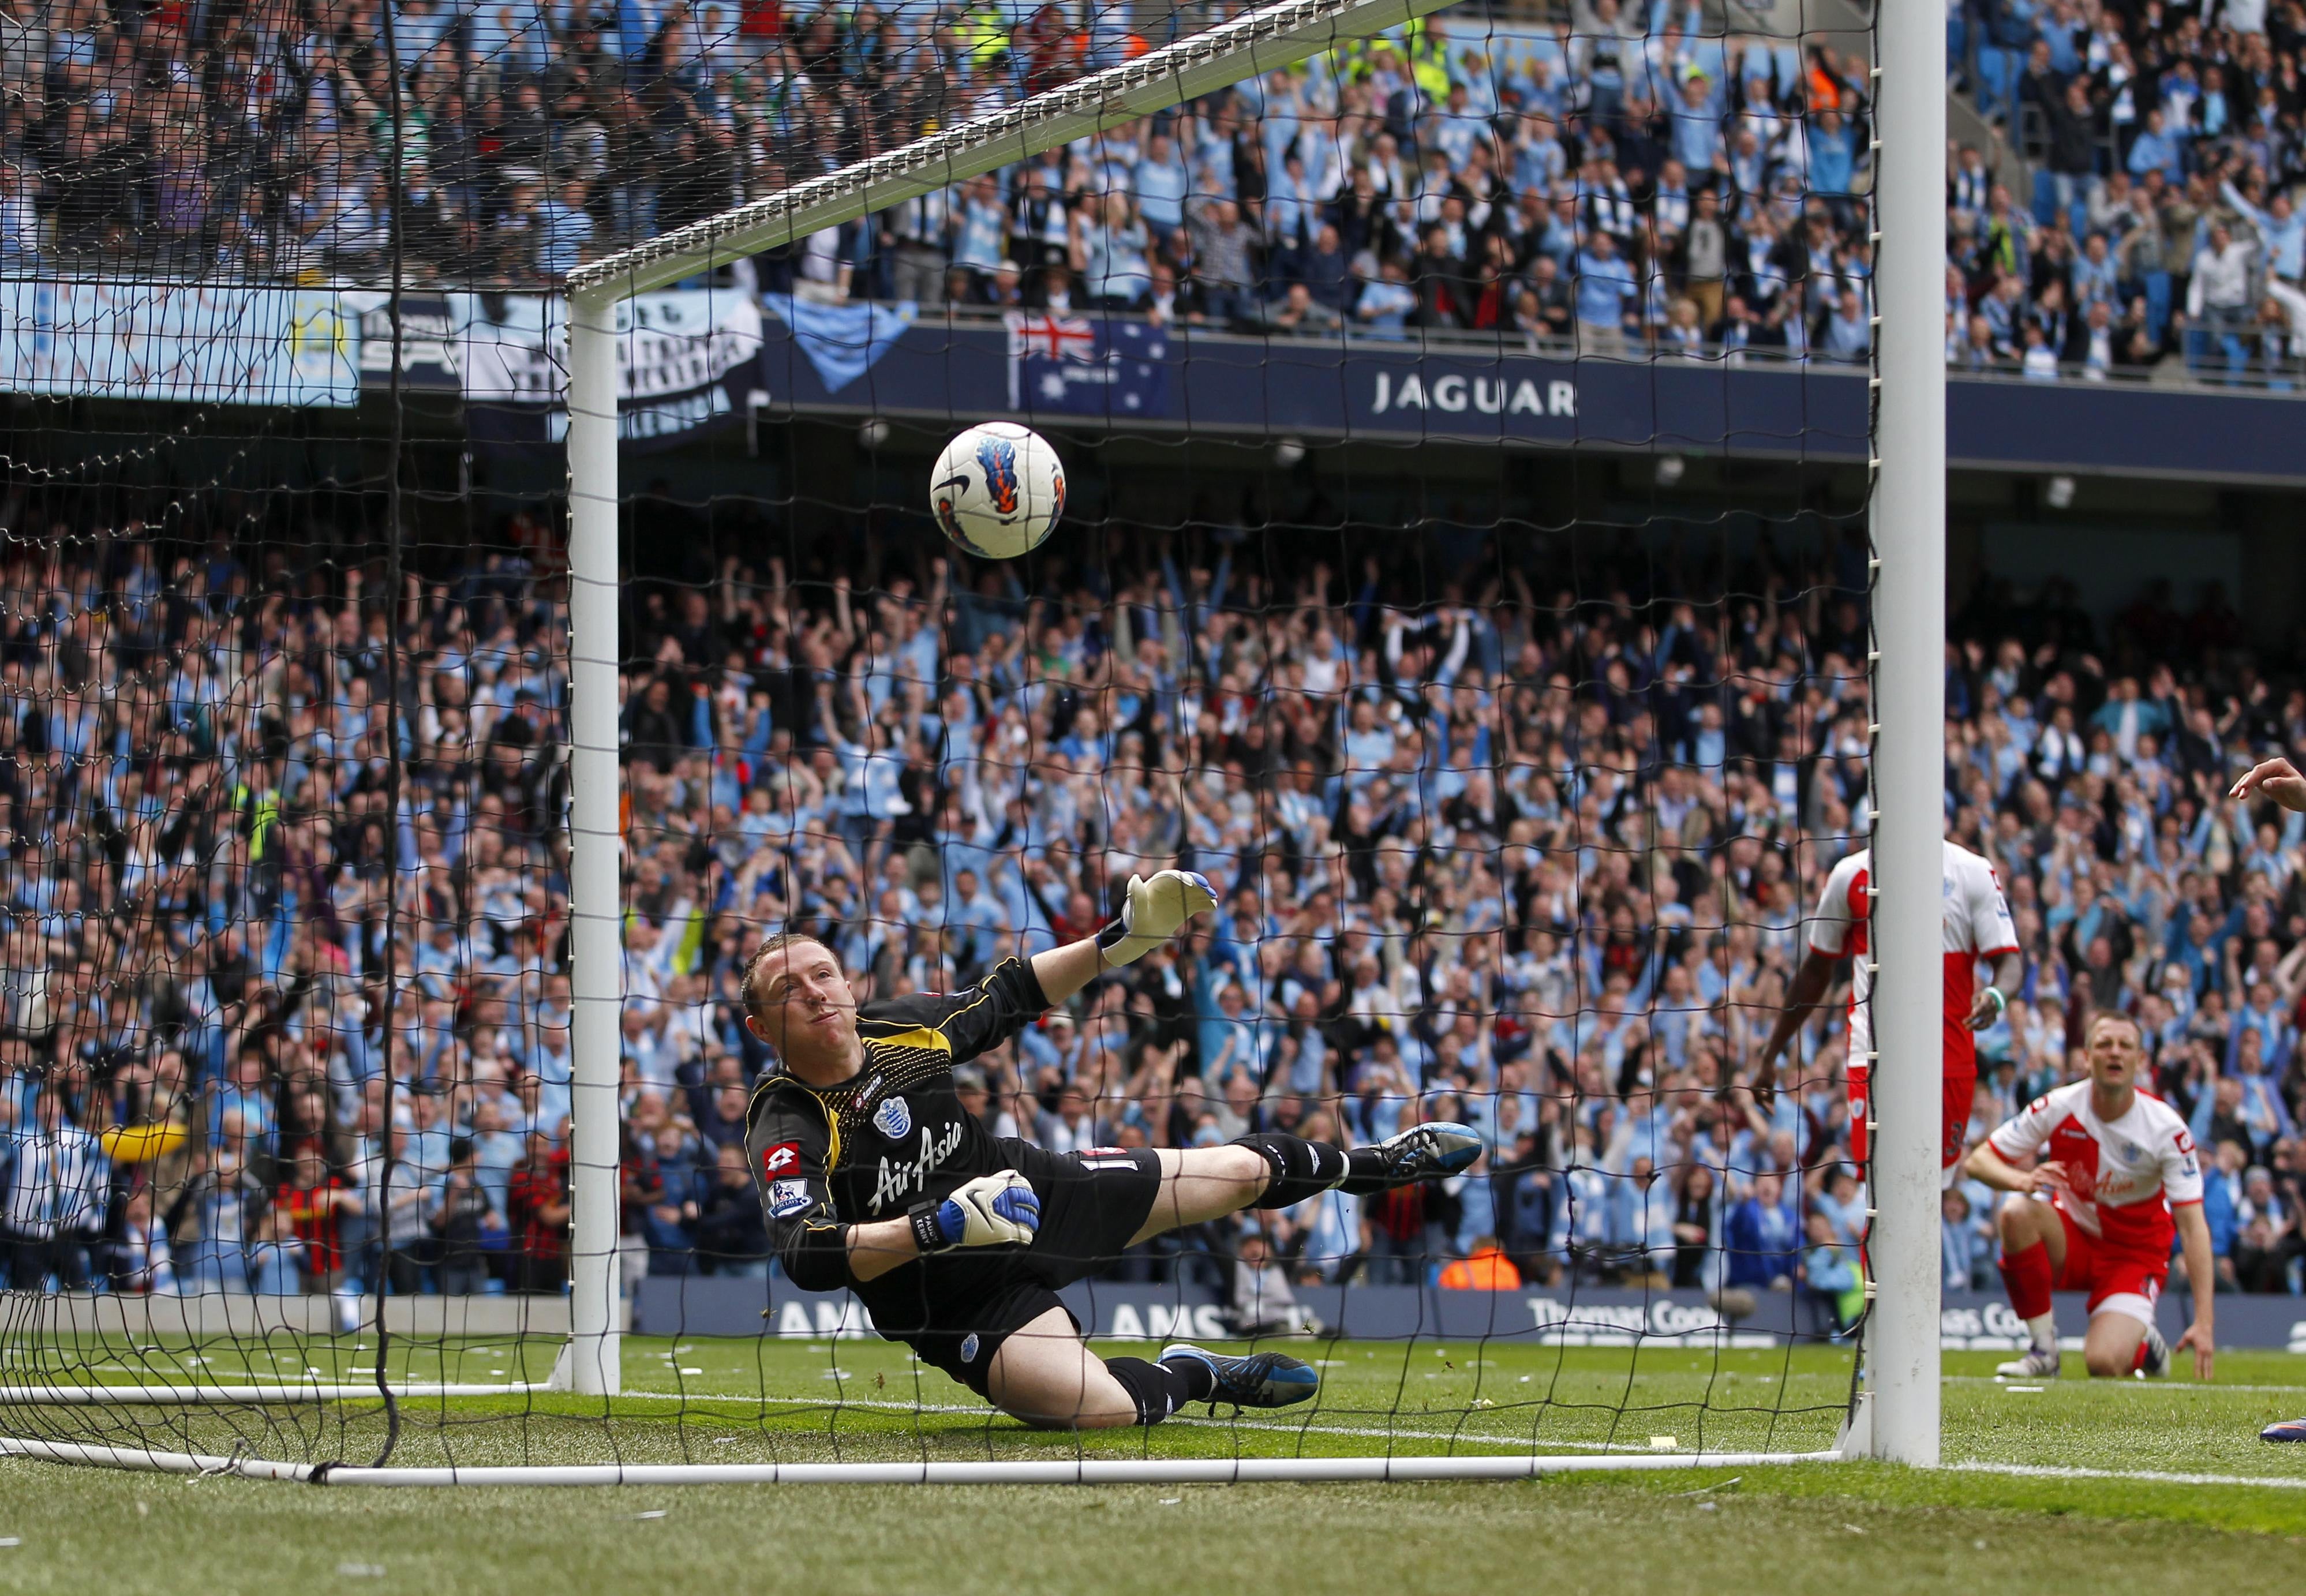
x=875, y=1177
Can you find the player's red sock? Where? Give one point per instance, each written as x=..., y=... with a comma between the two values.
x=2137, y=1357
x=2026, y=1273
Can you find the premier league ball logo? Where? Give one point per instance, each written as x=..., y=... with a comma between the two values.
x=998, y=456
x=893, y=1119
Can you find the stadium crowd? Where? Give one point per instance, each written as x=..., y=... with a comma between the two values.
x=2164, y=155
x=1618, y=179
x=1487, y=851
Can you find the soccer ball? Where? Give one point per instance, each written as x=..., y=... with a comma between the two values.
x=998, y=491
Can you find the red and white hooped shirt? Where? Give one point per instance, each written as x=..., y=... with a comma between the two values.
x=1977, y=926
x=2127, y=1173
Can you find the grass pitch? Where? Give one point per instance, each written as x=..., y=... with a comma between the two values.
x=1838, y=1528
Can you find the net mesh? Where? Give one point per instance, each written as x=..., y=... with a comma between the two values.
x=1516, y=738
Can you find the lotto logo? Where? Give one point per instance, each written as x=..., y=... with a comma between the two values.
x=776, y=1160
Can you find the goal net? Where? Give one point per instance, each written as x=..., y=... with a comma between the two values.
x=469, y=577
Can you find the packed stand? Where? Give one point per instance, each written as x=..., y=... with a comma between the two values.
x=1621, y=180
x=2095, y=780
x=2159, y=218
x=205, y=820
x=1486, y=852
x=1623, y=183
x=262, y=138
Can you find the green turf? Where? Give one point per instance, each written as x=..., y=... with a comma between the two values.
x=1820, y=1528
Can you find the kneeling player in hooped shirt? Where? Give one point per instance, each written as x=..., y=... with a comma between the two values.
x=2117, y=1172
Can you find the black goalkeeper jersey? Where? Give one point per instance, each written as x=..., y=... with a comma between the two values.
x=891, y=1135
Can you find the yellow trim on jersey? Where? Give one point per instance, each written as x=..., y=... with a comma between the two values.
x=984, y=996
x=833, y=1137
x=919, y=1035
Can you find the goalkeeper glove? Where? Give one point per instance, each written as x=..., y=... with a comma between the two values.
x=989, y=1211
x=1155, y=909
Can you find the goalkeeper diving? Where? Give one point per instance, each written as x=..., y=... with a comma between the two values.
x=875, y=1178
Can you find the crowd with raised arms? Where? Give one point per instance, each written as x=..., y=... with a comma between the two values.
x=1486, y=850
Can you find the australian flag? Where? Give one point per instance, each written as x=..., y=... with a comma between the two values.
x=1087, y=365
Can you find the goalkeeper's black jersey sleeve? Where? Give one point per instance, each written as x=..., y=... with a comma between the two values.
x=893, y=1134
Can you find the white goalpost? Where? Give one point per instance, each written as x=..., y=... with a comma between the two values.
x=1895, y=1415
x=1897, y=1418
x=592, y=1362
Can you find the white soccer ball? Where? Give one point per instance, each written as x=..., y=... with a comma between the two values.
x=998, y=490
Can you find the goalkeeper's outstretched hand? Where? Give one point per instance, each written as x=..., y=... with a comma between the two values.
x=1156, y=910
x=989, y=1211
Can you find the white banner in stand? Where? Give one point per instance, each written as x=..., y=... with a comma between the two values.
x=667, y=344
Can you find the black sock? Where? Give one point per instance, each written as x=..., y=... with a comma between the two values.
x=1301, y=1168
x=1160, y=1389
x=1368, y=1171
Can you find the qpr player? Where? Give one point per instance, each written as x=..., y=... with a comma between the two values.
x=2116, y=1175
x=1977, y=926
x=876, y=1178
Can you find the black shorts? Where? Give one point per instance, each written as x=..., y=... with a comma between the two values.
x=955, y=1309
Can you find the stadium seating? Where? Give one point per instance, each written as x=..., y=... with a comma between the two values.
x=879, y=815
x=1452, y=184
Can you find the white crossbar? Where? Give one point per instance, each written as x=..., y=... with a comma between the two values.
x=1261, y=41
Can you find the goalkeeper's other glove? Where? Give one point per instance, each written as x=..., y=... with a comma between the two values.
x=989, y=1211
x=1156, y=910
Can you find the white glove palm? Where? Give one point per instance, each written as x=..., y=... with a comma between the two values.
x=1157, y=908
x=991, y=1211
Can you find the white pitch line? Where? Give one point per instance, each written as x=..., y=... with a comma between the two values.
x=805, y=1404
x=2211, y=1387
x=1377, y=1433
x=791, y=1406
x=2054, y=1471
